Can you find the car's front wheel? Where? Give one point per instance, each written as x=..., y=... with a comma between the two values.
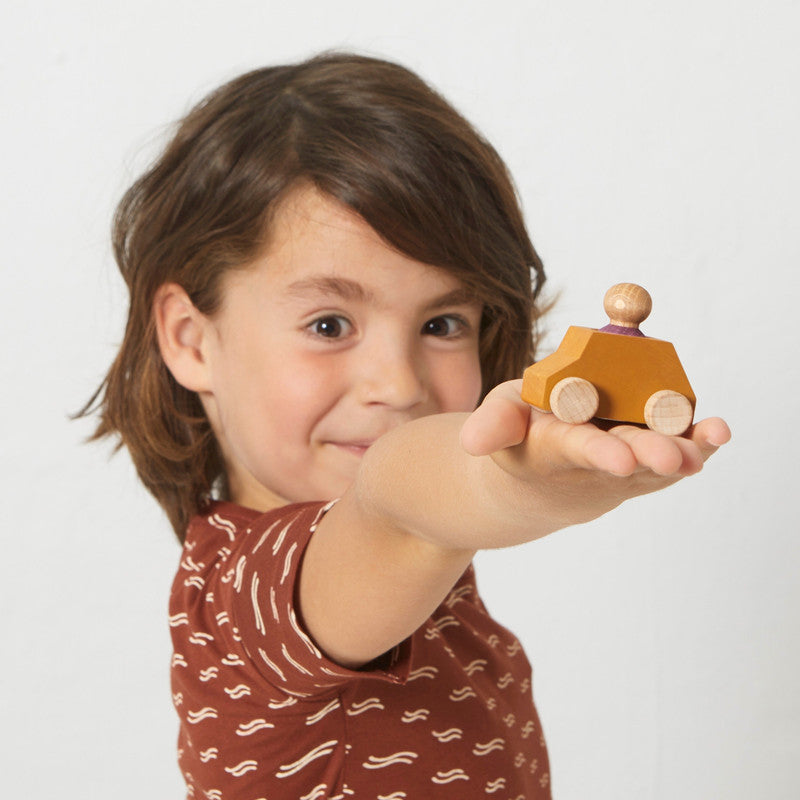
x=668, y=412
x=574, y=400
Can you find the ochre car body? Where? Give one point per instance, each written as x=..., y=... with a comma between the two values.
x=625, y=370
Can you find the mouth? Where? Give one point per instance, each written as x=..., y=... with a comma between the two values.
x=356, y=448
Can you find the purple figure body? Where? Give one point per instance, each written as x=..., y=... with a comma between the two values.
x=622, y=329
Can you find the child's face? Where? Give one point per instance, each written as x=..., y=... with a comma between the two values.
x=328, y=341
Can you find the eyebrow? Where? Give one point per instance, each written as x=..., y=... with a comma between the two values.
x=328, y=285
x=347, y=289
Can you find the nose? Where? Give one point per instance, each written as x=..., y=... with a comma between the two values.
x=392, y=375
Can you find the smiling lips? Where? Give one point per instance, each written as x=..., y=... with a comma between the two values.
x=356, y=448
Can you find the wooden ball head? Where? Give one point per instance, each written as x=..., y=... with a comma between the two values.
x=627, y=305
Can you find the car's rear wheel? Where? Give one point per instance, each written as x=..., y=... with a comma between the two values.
x=668, y=412
x=574, y=400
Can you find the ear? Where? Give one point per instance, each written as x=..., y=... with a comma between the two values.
x=181, y=331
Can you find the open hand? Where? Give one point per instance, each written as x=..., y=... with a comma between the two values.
x=578, y=472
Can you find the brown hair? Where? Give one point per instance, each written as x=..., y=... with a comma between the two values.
x=370, y=134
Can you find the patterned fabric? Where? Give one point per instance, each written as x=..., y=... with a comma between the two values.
x=447, y=715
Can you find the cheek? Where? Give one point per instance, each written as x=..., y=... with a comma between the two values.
x=298, y=391
x=460, y=384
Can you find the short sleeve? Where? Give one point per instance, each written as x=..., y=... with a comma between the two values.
x=258, y=590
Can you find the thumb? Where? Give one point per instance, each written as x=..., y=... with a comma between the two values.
x=500, y=421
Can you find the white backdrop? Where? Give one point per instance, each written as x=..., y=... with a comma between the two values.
x=651, y=141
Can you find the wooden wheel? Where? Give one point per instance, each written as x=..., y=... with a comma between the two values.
x=574, y=400
x=668, y=412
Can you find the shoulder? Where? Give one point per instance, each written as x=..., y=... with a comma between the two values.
x=222, y=521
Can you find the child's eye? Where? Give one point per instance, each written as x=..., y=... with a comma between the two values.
x=445, y=326
x=331, y=327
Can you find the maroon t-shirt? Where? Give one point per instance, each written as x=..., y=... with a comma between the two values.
x=264, y=715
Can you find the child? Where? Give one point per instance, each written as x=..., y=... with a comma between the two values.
x=328, y=272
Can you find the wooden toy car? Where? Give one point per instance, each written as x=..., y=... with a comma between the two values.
x=615, y=373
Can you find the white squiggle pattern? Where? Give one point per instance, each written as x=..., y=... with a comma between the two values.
x=422, y=672
x=313, y=719
x=256, y=606
x=447, y=736
x=420, y=715
x=448, y=777
x=333, y=673
x=237, y=692
x=281, y=537
x=462, y=694
x=403, y=757
x=312, y=648
x=513, y=649
x=446, y=622
x=371, y=704
x=273, y=602
x=208, y=674
x=287, y=563
x=495, y=786
x=242, y=768
x=240, y=565
x=458, y=595
x=265, y=535
x=254, y=726
x=324, y=749
x=189, y=564
x=505, y=681
x=225, y=525
x=277, y=704
x=272, y=665
x=475, y=666
x=195, y=717
x=296, y=664
x=489, y=747
x=321, y=513
x=317, y=793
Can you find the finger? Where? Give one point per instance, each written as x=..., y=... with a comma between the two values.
x=674, y=455
x=500, y=421
x=664, y=455
x=709, y=435
x=565, y=446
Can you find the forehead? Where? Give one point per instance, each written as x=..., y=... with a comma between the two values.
x=315, y=243
x=312, y=220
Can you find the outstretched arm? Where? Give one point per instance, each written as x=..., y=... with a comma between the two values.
x=432, y=492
